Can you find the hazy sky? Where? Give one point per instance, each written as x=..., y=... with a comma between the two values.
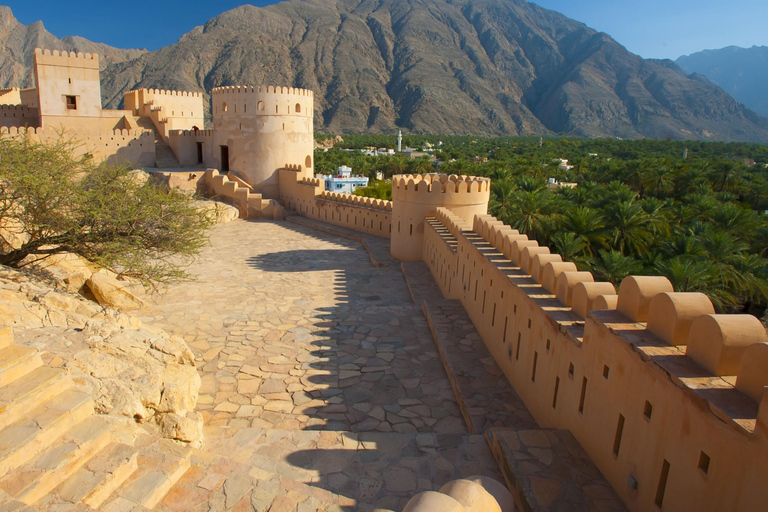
x=650, y=28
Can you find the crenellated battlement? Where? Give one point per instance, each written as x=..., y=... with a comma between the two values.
x=20, y=130
x=366, y=202
x=434, y=188
x=64, y=58
x=190, y=133
x=164, y=92
x=262, y=100
x=261, y=89
x=685, y=385
x=18, y=111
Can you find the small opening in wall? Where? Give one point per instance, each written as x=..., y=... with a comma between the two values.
x=71, y=102
x=606, y=371
x=583, y=396
x=509, y=352
x=517, y=350
x=617, y=437
x=514, y=309
x=554, y=396
x=504, y=336
x=529, y=323
x=704, y=463
x=647, y=410
x=298, y=108
x=549, y=345
x=70, y=80
x=224, y=107
x=659, y=500
x=260, y=106
x=632, y=482
x=535, y=360
x=570, y=370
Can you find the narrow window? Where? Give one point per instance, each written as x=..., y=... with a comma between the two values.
x=662, y=484
x=260, y=106
x=411, y=229
x=535, y=360
x=514, y=309
x=517, y=350
x=298, y=108
x=509, y=352
x=504, y=338
x=704, y=463
x=529, y=323
x=583, y=395
x=493, y=315
x=475, y=299
x=482, y=310
x=570, y=370
x=617, y=437
x=223, y=108
x=549, y=345
x=71, y=102
x=606, y=371
x=554, y=395
x=647, y=410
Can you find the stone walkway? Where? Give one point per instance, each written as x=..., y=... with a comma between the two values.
x=487, y=397
x=316, y=369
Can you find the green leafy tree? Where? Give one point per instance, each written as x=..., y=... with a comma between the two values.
x=54, y=202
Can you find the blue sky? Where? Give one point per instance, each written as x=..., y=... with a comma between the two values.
x=650, y=28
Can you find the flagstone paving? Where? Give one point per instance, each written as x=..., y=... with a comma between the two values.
x=295, y=329
x=322, y=388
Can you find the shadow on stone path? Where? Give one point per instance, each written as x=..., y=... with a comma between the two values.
x=316, y=369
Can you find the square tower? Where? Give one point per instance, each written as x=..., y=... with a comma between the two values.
x=67, y=86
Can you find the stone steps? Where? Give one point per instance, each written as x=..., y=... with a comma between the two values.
x=56, y=454
x=36, y=478
x=16, y=361
x=28, y=437
x=96, y=480
x=160, y=466
x=26, y=393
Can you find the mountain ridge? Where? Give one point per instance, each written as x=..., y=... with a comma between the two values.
x=483, y=67
x=741, y=72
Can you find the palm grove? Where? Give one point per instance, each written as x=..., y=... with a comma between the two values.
x=694, y=212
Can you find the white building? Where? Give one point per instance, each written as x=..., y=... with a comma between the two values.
x=343, y=181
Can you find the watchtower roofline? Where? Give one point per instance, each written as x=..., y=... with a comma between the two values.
x=70, y=59
x=262, y=100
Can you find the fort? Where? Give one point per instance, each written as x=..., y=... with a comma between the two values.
x=465, y=341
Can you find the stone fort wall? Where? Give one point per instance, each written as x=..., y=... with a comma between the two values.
x=114, y=147
x=308, y=197
x=665, y=396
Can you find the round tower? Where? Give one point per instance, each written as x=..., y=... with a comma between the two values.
x=258, y=130
x=414, y=197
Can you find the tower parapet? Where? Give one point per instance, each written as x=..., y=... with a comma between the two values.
x=414, y=197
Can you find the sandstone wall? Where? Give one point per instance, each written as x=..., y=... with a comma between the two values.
x=307, y=197
x=678, y=424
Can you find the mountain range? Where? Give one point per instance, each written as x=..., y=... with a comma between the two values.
x=741, y=72
x=483, y=67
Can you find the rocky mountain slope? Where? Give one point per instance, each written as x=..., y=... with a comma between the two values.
x=19, y=42
x=742, y=72
x=485, y=67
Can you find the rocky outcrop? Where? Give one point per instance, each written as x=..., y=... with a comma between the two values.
x=111, y=292
x=130, y=370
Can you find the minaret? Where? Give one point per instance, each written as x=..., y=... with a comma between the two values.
x=399, y=141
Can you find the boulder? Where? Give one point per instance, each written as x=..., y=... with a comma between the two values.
x=187, y=428
x=218, y=212
x=112, y=292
